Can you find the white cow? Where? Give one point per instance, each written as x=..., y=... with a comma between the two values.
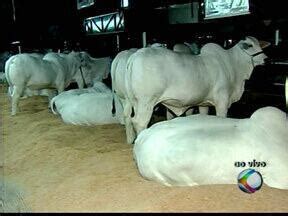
x=82, y=76
x=51, y=72
x=202, y=149
x=118, y=71
x=27, y=92
x=91, y=106
x=178, y=81
x=193, y=49
x=99, y=68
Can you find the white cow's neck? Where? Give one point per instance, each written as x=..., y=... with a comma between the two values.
x=74, y=65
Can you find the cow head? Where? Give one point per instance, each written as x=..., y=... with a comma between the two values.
x=85, y=58
x=75, y=58
x=80, y=65
x=252, y=48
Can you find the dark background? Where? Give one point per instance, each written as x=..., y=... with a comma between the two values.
x=47, y=23
x=38, y=23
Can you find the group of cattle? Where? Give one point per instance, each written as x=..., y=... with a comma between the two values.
x=172, y=152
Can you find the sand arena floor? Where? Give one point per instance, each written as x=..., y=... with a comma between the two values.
x=53, y=167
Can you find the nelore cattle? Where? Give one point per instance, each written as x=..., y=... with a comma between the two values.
x=177, y=80
x=202, y=149
x=118, y=71
x=90, y=106
x=53, y=71
x=99, y=68
x=27, y=92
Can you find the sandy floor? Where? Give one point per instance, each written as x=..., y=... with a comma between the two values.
x=51, y=166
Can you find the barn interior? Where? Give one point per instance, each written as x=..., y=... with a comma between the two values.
x=49, y=166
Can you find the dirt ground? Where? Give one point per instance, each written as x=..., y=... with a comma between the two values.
x=50, y=166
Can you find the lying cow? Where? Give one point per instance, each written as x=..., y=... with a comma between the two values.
x=52, y=72
x=202, y=149
x=91, y=106
x=177, y=80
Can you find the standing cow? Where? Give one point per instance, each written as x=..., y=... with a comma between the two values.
x=27, y=92
x=118, y=71
x=51, y=72
x=99, y=68
x=178, y=81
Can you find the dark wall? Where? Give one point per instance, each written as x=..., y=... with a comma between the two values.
x=45, y=23
x=6, y=21
x=60, y=20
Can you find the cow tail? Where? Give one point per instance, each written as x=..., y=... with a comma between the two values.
x=113, y=104
x=108, y=70
x=128, y=86
x=113, y=71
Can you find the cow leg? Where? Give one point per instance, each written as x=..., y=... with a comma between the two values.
x=121, y=117
x=130, y=132
x=203, y=110
x=221, y=109
x=17, y=92
x=143, y=113
x=10, y=92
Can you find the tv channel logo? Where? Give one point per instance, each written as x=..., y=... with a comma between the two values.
x=250, y=181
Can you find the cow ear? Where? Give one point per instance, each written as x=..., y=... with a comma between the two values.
x=264, y=44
